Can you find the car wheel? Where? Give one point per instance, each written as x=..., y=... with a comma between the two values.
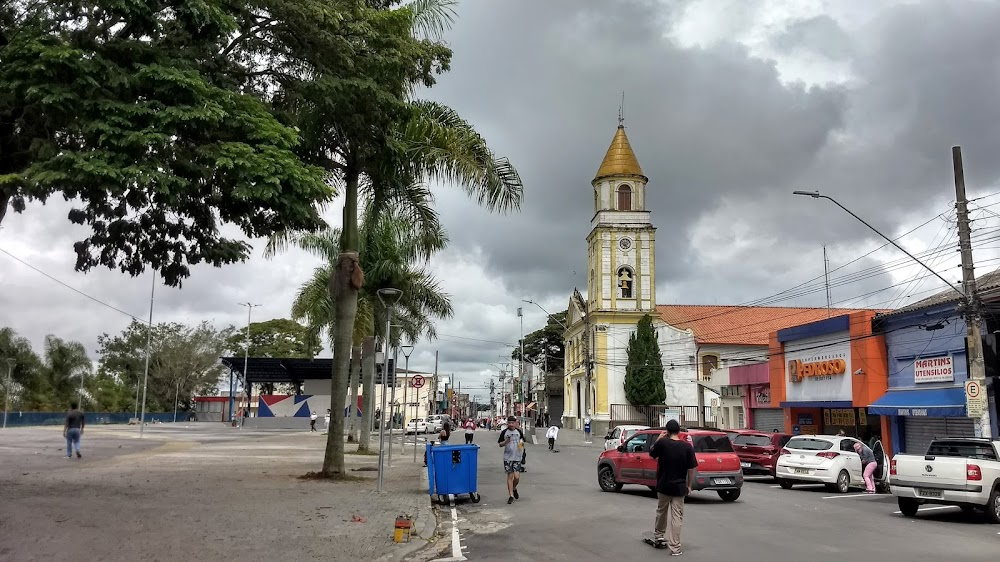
x=606, y=479
x=908, y=506
x=785, y=484
x=843, y=482
x=729, y=495
x=993, y=508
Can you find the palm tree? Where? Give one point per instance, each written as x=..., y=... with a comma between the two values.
x=65, y=367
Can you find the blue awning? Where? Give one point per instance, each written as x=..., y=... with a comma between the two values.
x=931, y=402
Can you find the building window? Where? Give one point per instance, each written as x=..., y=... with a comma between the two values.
x=624, y=197
x=626, y=281
x=709, y=363
x=597, y=200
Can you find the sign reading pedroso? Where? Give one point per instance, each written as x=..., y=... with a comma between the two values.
x=800, y=370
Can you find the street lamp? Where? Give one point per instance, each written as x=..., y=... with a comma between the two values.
x=149, y=344
x=392, y=394
x=10, y=373
x=818, y=195
x=388, y=297
x=246, y=362
x=551, y=316
x=407, y=350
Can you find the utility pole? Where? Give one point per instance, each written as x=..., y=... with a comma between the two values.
x=974, y=340
x=434, y=395
x=520, y=372
x=493, y=404
x=589, y=365
x=826, y=277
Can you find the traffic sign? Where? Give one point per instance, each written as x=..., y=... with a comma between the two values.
x=417, y=381
x=972, y=389
x=975, y=400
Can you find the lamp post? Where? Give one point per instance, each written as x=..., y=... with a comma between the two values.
x=407, y=350
x=149, y=343
x=388, y=297
x=392, y=399
x=520, y=368
x=10, y=373
x=246, y=361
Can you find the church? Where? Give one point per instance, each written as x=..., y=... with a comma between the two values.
x=694, y=340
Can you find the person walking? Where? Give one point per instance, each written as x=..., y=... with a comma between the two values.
x=312, y=421
x=868, y=465
x=512, y=442
x=470, y=429
x=73, y=429
x=552, y=434
x=675, y=466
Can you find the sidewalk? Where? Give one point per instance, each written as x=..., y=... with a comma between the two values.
x=240, y=498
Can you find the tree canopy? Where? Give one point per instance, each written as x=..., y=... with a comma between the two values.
x=279, y=337
x=644, y=384
x=544, y=347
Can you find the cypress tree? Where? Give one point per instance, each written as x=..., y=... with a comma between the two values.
x=644, y=373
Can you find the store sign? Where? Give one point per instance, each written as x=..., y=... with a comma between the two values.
x=839, y=416
x=934, y=369
x=760, y=396
x=818, y=369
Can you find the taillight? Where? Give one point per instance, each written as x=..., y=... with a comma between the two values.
x=972, y=472
x=770, y=451
x=828, y=454
x=892, y=467
x=785, y=451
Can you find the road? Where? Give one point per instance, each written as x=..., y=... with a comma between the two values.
x=563, y=515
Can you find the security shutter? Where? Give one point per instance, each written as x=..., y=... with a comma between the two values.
x=919, y=432
x=768, y=419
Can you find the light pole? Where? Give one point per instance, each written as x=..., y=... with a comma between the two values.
x=10, y=373
x=520, y=368
x=246, y=361
x=392, y=398
x=388, y=297
x=407, y=350
x=149, y=343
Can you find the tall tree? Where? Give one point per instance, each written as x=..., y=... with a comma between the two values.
x=279, y=337
x=544, y=347
x=149, y=117
x=65, y=369
x=26, y=388
x=644, y=374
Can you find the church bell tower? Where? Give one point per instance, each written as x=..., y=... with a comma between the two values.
x=621, y=244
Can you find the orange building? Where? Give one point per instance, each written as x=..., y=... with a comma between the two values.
x=824, y=375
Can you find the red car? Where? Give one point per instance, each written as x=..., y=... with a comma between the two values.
x=718, y=466
x=759, y=451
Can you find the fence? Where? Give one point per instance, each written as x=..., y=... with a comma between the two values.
x=653, y=416
x=23, y=419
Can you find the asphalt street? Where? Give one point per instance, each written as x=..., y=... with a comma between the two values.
x=564, y=515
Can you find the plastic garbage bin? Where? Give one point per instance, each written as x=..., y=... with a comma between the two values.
x=452, y=470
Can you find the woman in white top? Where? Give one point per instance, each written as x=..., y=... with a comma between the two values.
x=470, y=428
x=552, y=434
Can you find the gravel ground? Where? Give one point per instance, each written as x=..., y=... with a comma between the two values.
x=196, y=492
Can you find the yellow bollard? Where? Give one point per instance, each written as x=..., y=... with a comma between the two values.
x=404, y=528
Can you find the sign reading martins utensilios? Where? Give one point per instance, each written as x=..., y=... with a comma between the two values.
x=934, y=369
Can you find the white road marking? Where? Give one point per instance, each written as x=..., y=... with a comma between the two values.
x=862, y=495
x=456, y=541
x=934, y=508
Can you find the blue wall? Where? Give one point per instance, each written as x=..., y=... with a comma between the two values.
x=905, y=342
x=22, y=419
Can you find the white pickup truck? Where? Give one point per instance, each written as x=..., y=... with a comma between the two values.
x=958, y=471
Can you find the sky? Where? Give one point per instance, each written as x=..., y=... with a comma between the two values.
x=729, y=106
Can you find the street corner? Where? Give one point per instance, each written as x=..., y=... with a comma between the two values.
x=425, y=542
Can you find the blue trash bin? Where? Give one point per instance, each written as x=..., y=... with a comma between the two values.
x=453, y=470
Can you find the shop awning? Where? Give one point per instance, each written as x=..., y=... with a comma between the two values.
x=932, y=402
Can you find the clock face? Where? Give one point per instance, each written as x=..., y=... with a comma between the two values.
x=625, y=243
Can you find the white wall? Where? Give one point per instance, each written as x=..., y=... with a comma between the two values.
x=821, y=388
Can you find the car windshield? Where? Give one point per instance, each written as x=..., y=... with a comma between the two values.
x=752, y=440
x=711, y=444
x=808, y=444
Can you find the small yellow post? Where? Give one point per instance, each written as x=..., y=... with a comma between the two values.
x=404, y=528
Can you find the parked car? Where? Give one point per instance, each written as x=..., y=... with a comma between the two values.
x=418, y=425
x=718, y=466
x=436, y=422
x=617, y=436
x=758, y=451
x=829, y=460
x=959, y=471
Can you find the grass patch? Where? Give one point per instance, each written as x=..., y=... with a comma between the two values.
x=336, y=477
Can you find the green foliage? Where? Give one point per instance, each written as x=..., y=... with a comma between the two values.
x=644, y=374
x=154, y=118
x=279, y=337
x=47, y=382
x=545, y=345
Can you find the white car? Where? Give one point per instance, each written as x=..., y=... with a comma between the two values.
x=827, y=459
x=416, y=426
x=620, y=434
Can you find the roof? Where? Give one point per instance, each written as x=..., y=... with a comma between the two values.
x=294, y=370
x=620, y=160
x=989, y=282
x=741, y=325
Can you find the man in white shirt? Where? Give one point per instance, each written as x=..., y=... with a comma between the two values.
x=552, y=434
x=470, y=428
x=312, y=421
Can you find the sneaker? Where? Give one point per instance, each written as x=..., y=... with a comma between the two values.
x=516, y=495
x=678, y=553
x=510, y=500
x=78, y=455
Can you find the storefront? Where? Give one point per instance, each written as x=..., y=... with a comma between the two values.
x=754, y=379
x=824, y=374
x=925, y=344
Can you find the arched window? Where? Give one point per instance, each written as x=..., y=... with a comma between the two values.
x=626, y=282
x=624, y=197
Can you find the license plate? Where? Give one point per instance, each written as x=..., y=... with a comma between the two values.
x=745, y=464
x=801, y=471
x=929, y=493
x=723, y=481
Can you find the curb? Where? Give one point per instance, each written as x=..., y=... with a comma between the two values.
x=424, y=529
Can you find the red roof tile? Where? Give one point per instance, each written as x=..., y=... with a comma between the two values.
x=740, y=325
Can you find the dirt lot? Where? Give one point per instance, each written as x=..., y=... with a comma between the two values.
x=195, y=492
